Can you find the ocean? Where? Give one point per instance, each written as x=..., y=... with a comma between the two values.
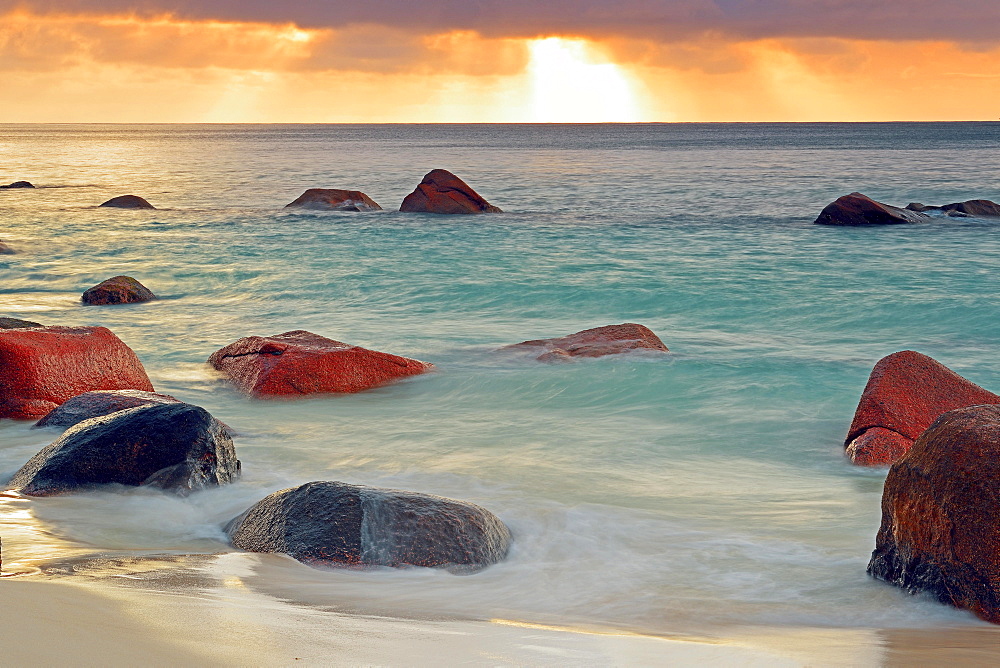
x=686, y=493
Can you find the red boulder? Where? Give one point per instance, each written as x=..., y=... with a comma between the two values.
x=301, y=362
x=597, y=342
x=940, y=531
x=334, y=200
x=906, y=392
x=858, y=209
x=41, y=367
x=443, y=192
x=118, y=290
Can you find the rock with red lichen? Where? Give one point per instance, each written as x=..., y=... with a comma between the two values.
x=118, y=290
x=41, y=367
x=172, y=446
x=334, y=523
x=906, y=392
x=443, y=192
x=300, y=362
x=596, y=342
x=329, y=199
x=128, y=202
x=858, y=209
x=940, y=531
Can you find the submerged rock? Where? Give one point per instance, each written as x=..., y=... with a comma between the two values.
x=596, y=342
x=301, y=362
x=6, y=250
x=118, y=290
x=16, y=323
x=906, y=392
x=42, y=367
x=443, y=192
x=334, y=200
x=173, y=446
x=979, y=208
x=128, y=202
x=17, y=184
x=334, y=523
x=940, y=531
x=858, y=209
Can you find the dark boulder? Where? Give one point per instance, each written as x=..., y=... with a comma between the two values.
x=41, y=367
x=332, y=523
x=16, y=323
x=327, y=199
x=906, y=392
x=858, y=209
x=100, y=402
x=176, y=447
x=17, y=184
x=443, y=192
x=128, y=202
x=301, y=362
x=596, y=342
x=118, y=290
x=978, y=208
x=940, y=531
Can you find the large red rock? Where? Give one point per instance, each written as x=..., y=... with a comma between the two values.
x=330, y=199
x=41, y=367
x=906, y=392
x=940, y=531
x=858, y=209
x=443, y=192
x=301, y=362
x=118, y=290
x=596, y=342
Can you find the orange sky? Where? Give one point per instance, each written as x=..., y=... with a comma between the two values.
x=93, y=67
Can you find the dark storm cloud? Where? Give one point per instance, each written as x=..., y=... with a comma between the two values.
x=955, y=20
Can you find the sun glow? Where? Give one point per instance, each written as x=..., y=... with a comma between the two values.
x=569, y=87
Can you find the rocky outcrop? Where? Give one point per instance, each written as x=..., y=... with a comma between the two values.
x=977, y=208
x=333, y=523
x=326, y=199
x=17, y=184
x=176, y=447
x=6, y=250
x=118, y=290
x=906, y=392
x=42, y=367
x=443, y=192
x=300, y=362
x=858, y=209
x=596, y=342
x=16, y=323
x=128, y=202
x=940, y=531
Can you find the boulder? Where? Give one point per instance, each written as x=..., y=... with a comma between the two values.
x=118, y=290
x=326, y=199
x=100, y=402
x=596, y=342
x=128, y=202
x=42, y=367
x=443, y=192
x=334, y=523
x=858, y=209
x=16, y=323
x=940, y=531
x=6, y=250
x=978, y=208
x=173, y=446
x=301, y=362
x=17, y=184
x=906, y=392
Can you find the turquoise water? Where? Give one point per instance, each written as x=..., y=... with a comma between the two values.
x=700, y=489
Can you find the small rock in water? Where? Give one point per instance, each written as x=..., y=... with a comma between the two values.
x=334, y=523
x=442, y=192
x=940, y=531
x=858, y=209
x=118, y=290
x=334, y=200
x=596, y=342
x=128, y=202
x=6, y=250
x=16, y=323
x=906, y=392
x=173, y=446
x=17, y=184
x=978, y=208
x=301, y=362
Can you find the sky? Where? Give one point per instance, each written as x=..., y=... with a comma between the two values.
x=313, y=61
